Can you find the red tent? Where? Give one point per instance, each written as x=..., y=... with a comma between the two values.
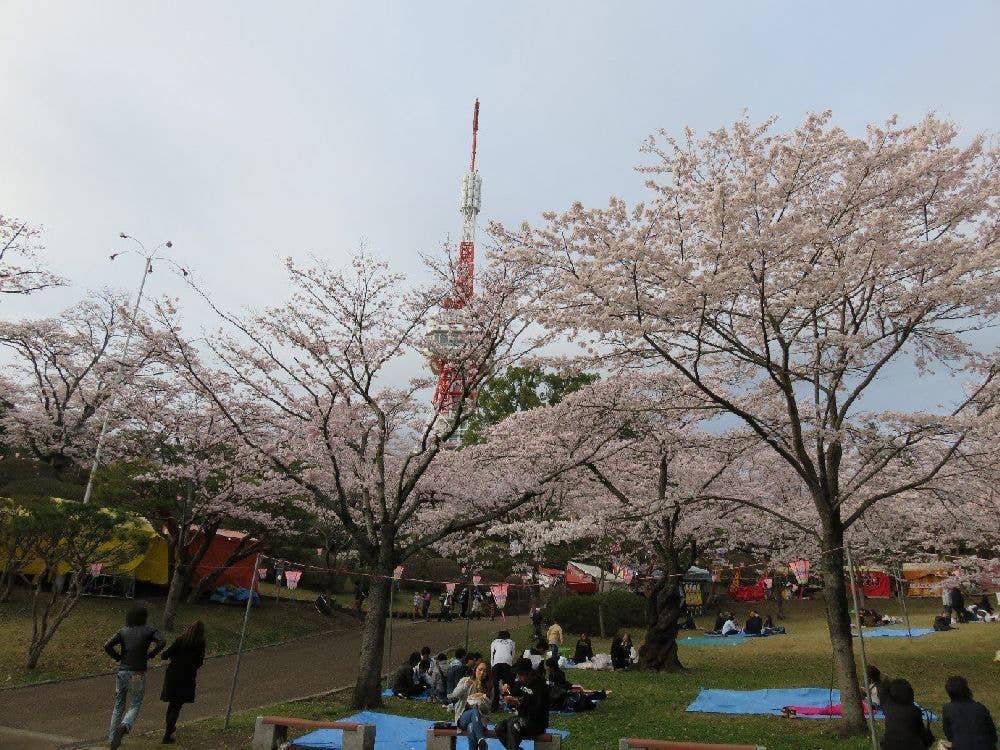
x=225, y=541
x=875, y=584
x=580, y=582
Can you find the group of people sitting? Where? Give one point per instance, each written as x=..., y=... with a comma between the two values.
x=957, y=613
x=727, y=624
x=967, y=724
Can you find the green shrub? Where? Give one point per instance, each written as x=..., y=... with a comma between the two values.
x=628, y=608
x=577, y=613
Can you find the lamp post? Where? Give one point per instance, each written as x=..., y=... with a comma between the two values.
x=147, y=269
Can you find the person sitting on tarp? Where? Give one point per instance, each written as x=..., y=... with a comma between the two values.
x=943, y=621
x=404, y=682
x=720, y=620
x=564, y=696
x=529, y=696
x=455, y=670
x=755, y=624
x=584, y=650
x=730, y=627
x=869, y=618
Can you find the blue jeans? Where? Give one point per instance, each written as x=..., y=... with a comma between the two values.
x=129, y=686
x=472, y=722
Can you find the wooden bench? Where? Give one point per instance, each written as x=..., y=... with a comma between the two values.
x=444, y=739
x=634, y=744
x=270, y=731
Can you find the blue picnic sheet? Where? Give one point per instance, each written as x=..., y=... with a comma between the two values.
x=767, y=702
x=711, y=640
x=391, y=733
x=427, y=695
x=896, y=632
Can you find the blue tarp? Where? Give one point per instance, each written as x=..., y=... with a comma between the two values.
x=427, y=695
x=896, y=632
x=391, y=733
x=711, y=640
x=768, y=702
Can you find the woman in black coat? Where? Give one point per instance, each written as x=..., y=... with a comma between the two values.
x=186, y=655
x=904, y=722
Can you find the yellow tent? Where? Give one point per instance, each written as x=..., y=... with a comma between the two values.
x=35, y=566
x=154, y=567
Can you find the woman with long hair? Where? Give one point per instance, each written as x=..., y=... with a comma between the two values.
x=186, y=655
x=471, y=698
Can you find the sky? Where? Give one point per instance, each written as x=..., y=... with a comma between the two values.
x=245, y=132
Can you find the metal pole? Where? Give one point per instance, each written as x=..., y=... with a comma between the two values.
x=243, y=633
x=861, y=639
x=118, y=383
x=388, y=651
x=470, y=596
x=901, y=583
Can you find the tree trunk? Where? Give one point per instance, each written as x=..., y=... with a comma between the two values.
x=368, y=690
x=666, y=608
x=179, y=582
x=839, y=624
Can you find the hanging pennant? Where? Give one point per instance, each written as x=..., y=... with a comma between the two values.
x=292, y=578
x=261, y=574
x=801, y=570
x=476, y=579
x=95, y=569
x=499, y=591
x=397, y=572
x=450, y=588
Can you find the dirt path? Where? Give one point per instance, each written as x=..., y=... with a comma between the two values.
x=81, y=709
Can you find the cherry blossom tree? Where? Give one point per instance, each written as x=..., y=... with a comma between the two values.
x=20, y=271
x=313, y=388
x=61, y=373
x=659, y=491
x=190, y=475
x=787, y=276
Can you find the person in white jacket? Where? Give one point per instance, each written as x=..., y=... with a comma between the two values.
x=470, y=700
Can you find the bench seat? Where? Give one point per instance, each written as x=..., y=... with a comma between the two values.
x=444, y=739
x=271, y=731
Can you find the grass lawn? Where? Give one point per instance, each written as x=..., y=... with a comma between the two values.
x=76, y=649
x=651, y=705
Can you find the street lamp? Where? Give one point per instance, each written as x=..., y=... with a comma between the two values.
x=147, y=268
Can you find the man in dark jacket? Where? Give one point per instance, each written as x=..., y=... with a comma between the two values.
x=404, y=682
x=967, y=723
x=130, y=648
x=530, y=698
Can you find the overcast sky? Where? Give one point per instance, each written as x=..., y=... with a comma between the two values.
x=246, y=131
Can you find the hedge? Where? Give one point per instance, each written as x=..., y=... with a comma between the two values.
x=577, y=613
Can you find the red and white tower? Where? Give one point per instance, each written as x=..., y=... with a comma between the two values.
x=447, y=332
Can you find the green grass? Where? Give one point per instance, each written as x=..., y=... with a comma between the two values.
x=652, y=705
x=76, y=649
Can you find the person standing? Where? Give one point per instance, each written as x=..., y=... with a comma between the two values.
x=186, y=655
x=130, y=647
x=967, y=724
x=426, y=607
x=417, y=601
x=501, y=664
x=536, y=622
x=555, y=638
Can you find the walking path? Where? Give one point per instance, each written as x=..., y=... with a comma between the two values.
x=45, y=717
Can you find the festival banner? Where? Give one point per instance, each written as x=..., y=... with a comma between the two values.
x=801, y=570
x=292, y=578
x=499, y=591
x=397, y=572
